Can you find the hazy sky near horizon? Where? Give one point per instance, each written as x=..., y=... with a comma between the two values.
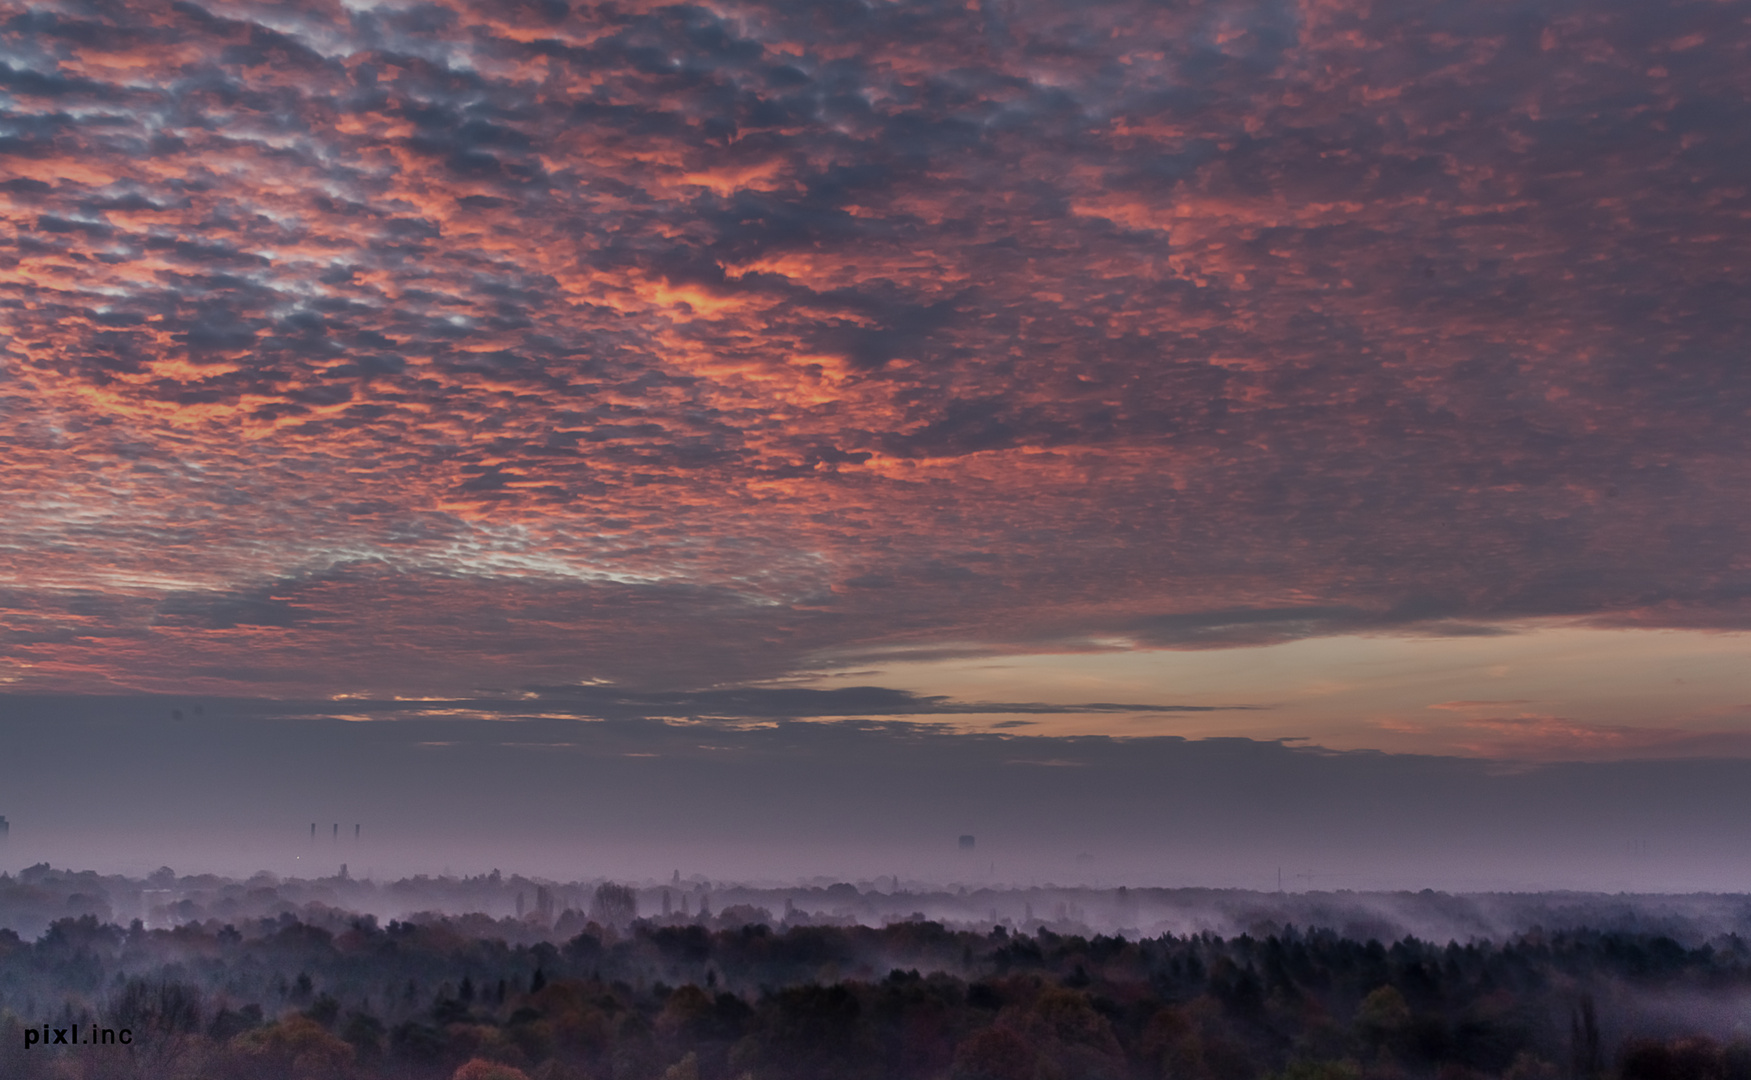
x=1372, y=375
x=131, y=783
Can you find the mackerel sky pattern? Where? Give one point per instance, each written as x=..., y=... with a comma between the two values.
x=433, y=348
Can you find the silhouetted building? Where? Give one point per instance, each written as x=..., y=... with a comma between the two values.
x=967, y=842
x=4, y=827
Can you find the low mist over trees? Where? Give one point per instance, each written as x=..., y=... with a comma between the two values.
x=329, y=994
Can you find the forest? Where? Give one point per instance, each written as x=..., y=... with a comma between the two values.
x=327, y=994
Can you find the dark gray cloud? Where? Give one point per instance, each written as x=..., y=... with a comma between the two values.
x=1257, y=626
x=761, y=703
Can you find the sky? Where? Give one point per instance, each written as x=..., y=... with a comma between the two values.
x=1348, y=378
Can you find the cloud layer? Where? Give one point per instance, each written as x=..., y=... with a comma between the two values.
x=432, y=347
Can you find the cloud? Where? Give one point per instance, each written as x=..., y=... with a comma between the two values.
x=522, y=344
x=797, y=702
x=1258, y=626
x=1535, y=736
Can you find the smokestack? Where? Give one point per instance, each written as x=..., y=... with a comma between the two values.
x=337, y=832
x=313, y=830
x=356, y=831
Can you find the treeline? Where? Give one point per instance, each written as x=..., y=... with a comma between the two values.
x=284, y=998
x=558, y=910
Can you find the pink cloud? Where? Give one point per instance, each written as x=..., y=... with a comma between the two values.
x=472, y=344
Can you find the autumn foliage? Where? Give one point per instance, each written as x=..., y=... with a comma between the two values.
x=910, y=1001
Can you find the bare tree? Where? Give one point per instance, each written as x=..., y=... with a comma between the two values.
x=614, y=905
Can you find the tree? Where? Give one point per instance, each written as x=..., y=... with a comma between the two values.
x=1589, y=1060
x=482, y=1069
x=997, y=1053
x=614, y=905
x=296, y=1047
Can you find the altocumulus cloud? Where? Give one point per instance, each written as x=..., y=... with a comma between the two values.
x=428, y=347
